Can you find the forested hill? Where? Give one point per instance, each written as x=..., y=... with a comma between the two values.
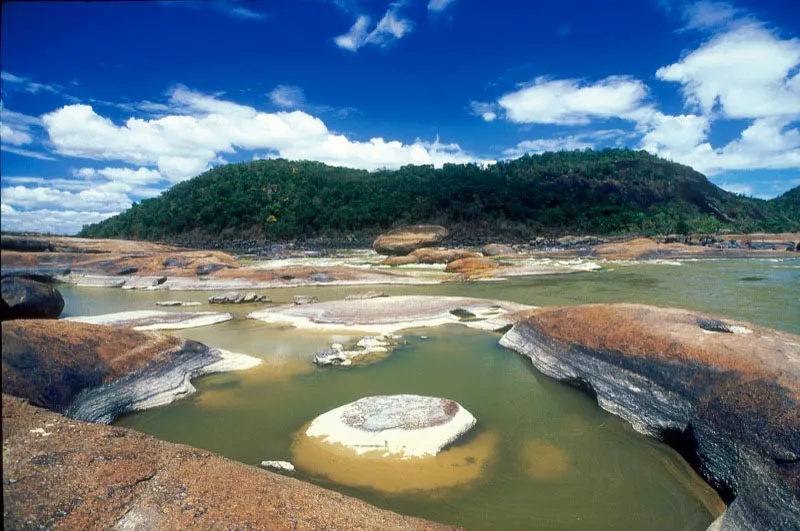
x=599, y=192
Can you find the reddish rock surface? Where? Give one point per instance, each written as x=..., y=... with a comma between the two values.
x=403, y=240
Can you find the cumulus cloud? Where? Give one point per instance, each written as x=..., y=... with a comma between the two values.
x=139, y=176
x=181, y=146
x=747, y=72
x=45, y=220
x=287, y=97
x=440, y=5
x=568, y=143
x=108, y=197
x=571, y=102
x=389, y=29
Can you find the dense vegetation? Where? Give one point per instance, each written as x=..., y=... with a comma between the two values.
x=601, y=192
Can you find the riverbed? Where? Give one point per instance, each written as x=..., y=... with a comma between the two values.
x=542, y=455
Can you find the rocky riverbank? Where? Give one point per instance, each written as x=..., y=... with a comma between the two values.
x=95, y=373
x=59, y=473
x=724, y=393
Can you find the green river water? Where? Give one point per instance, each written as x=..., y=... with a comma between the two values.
x=542, y=456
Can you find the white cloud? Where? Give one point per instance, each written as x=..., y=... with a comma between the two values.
x=389, y=29
x=440, y=5
x=747, y=72
x=570, y=102
x=487, y=111
x=139, y=176
x=287, y=97
x=26, y=153
x=45, y=220
x=13, y=137
x=182, y=146
x=709, y=15
x=568, y=143
x=108, y=197
x=741, y=189
x=25, y=84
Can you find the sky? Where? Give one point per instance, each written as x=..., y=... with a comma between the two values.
x=109, y=103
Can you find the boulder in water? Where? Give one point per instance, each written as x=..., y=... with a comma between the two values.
x=395, y=425
x=404, y=240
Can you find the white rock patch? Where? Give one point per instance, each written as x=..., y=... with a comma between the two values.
x=155, y=320
x=397, y=425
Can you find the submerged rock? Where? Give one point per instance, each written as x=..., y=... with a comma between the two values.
x=95, y=373
x=177, y=303
x=236, y=297
x=28, y=299
x=726, y=393
x=366, y=295
x=395, y=425
x=338, y=355
x=404, y=240
x=300, y=300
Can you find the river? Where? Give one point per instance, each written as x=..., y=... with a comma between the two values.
x=542, y=456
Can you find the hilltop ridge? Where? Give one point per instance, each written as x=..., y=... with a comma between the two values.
x=613, y=191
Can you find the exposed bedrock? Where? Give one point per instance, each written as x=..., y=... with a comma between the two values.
x=94, y=373
x=59, y=473
x=28, y=299
x=725, y=395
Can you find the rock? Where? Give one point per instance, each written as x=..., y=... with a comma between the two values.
x=177, y=303
x=472, y=268
x=108, y=477
x=322, y=277
x=158, y=281
x=10, y=242
x=28, y=299
x=155, y=320
x=128, y=270
x=339, y=356
x=366, y=295
x=497, y=249
x=304, y=299
x=236, y=297
x=386, y=315
x=331, y=356
x=403, y=240
x=399, y=260
x=395, y=425
x=286, y=277
x=441, y=256
x=176, y=262
x=725, y=393
x=207, y=269
x=281, y=466
x=95, y=373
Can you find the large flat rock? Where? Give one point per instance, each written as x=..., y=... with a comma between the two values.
x=725, y=393
x=386, y=315
x=154, y=319
x=59, y=473
x=404, y=240
x=394, y=425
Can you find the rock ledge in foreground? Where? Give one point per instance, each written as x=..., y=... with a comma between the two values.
x=397, y=425
x=727, y=396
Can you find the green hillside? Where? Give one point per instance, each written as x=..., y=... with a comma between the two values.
x=600, y=192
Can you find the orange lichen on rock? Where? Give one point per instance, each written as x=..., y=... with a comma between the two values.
x=429, y=255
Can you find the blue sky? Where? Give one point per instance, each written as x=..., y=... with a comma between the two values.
x=104, y=104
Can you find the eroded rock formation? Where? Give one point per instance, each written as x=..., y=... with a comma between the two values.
x=727, y=396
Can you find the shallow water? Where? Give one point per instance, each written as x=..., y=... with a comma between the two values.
x=542, y=456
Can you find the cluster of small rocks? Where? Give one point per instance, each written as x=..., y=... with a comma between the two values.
x=236, y=297
x=338, y=355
